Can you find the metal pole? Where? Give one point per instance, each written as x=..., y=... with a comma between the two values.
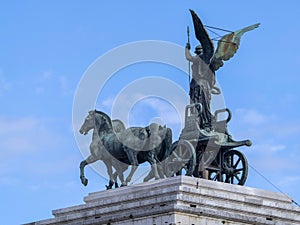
x=189, y=63
x=188, y=34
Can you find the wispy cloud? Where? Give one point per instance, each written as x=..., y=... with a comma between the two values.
x=47, y=81
x=274, y=153
x=47, y=168
x=164, y=109
x=138, y=109
x=54, y=186
x=46, y=76
x=288, y=180
x=64, y=86
x=4, y=84
x=19, y=136
x=287, y=129
x=42, y=82
x=106, y=104
x=263, y=127
x=252, y=117
x=161, y=98
x=28, y=148
x=6, y=180
x=268, y=147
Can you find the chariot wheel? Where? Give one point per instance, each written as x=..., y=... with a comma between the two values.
x=182, y=160
x=234, y=169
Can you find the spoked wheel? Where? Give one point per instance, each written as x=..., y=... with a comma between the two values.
x=214, y=170
x=235, y=167
x=182, y=158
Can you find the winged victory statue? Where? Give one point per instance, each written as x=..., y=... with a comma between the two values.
x=206, y=62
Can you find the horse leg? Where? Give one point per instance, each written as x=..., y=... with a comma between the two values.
x=149, y=176
x=129, y=177
x=121, y=174
x=151, y=173
x=115, y=175
x=110, y=174
x=132, y=156
x=85, y=162
x=120, y=169
x=152, y=161
x=161, y=171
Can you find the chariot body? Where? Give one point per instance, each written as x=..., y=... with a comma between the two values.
x=205, y=153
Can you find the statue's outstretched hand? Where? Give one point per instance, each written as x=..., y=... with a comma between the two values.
x=188, y=46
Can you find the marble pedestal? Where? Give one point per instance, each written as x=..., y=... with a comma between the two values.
x=179, y=200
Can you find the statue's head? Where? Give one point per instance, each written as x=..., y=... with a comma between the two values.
x=198, y=50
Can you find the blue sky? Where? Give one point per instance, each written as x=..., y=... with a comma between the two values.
x=47, y=47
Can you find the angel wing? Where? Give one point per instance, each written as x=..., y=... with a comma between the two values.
x=228, y=45
x=203, y=37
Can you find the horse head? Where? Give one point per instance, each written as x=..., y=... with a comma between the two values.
x=96, y=120
x=89, y=123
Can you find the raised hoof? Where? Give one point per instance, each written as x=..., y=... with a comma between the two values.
x=84, y=181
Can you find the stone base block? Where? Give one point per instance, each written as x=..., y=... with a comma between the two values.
x=180, y=200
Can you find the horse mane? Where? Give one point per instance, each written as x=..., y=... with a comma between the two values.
x=105, y=116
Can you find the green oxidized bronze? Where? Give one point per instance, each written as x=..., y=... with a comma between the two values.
x=205, y=148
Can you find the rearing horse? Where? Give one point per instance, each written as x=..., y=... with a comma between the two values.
x=129, y=147
x=97, y=149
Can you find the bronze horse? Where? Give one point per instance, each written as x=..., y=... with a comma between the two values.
x=118, y=150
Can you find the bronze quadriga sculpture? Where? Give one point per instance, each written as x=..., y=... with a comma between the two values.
x=205, y=148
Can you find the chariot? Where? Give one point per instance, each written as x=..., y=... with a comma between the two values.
x=204, y=149
x=210, y=154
